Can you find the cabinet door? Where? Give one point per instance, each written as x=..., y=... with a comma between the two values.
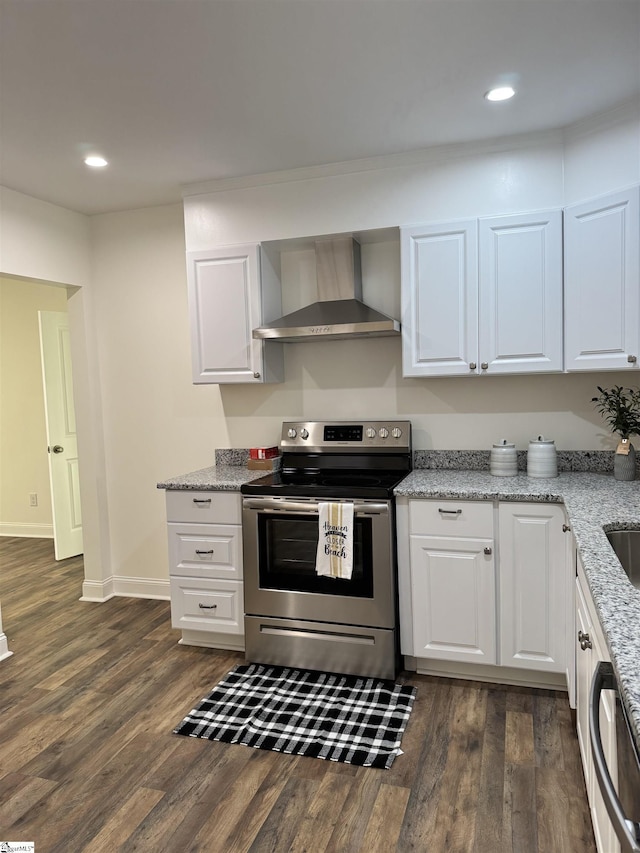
x=439, y=299
x=533, y=587
x=520, y=313
x=602, y=287
x=225, y=305
x=453, y=595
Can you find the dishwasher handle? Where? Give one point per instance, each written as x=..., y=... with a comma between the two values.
x=627, y=831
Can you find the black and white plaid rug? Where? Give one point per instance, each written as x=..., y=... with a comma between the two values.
x=336, y=717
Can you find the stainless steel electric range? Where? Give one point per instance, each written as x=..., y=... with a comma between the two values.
x=293, y=615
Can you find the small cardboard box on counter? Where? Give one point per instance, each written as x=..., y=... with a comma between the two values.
x=271, y=464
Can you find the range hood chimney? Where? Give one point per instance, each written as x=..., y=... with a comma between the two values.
x=339, y=312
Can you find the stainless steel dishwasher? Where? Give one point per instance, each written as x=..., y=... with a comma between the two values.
x=622, y=800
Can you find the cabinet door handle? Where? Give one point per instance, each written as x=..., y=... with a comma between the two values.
x=565, y=528
x=207, y=606
x=584, y=640
x=472, y=365
x=450, y=511
x=484, y=365
x=202, y=500
x=204, y=552
x=488, y=551
x=632, y=359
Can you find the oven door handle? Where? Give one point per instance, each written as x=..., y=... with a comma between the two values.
x=627, y=831
x=275, y=505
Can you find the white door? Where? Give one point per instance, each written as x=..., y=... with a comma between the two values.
x=602, y=289
x=440, y=299
x=61, y=433
x=520, y=293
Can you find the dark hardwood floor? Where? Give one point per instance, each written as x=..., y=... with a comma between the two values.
x=88, y=761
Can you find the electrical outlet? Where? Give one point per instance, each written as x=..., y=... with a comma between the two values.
x=33, y=499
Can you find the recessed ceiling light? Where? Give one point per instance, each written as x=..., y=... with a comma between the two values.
x=500, y=93
x=95, y=161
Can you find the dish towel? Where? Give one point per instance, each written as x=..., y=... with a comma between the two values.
x=335, y=540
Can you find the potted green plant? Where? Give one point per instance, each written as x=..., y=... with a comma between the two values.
x=620, y=407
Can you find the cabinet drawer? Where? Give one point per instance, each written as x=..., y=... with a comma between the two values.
x=451, y=518
x=205, y=507
x=205, y=550
x=200, y=604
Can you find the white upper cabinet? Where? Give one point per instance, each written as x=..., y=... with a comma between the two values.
x=602, y=283
x=439, y=299
x=483, y=296
x=521, y=293
x=232, y=290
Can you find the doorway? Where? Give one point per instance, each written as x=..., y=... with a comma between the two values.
x=26, y=507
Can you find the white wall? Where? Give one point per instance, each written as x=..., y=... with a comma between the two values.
x=39, y=240
x=156, y=423
x=602, y=154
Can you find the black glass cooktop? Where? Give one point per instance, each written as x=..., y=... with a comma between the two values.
x=325, y=484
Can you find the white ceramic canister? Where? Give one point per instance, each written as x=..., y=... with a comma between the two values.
x=542, y=459
x=504, y=460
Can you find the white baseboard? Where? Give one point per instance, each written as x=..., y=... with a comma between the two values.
x=97, y=590
x=33, y=531
x=141, y=587
x=127, y=587
x=4, y=647
x=212, y=640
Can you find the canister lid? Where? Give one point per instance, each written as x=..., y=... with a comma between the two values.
x=504, y=443
x=541, y=440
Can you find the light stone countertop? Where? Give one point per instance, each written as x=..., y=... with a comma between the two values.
x=217, y=478
x=594, y=503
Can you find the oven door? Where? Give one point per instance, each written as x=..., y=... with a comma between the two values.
x=621, y=799
x=280, y=538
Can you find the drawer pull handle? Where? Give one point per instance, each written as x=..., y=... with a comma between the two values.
x=207, y=606
x=204, y=552
x=202, y=500
x=450, y=511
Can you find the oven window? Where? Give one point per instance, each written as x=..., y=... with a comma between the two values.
x=287, y=547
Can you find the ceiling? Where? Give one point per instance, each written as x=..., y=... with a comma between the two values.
x=173, y=92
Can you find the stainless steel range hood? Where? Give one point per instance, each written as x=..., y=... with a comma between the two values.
x=339, y=312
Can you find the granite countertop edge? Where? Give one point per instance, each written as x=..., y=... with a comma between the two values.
x=593, y=503
x=216, y=478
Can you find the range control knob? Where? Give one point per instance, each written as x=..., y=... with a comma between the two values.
x=371, y=433
x=304, y=433
x=291, y=432
x=383, y=432
x=396, y=432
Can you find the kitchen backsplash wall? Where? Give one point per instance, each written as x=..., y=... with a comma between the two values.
x=595, y=461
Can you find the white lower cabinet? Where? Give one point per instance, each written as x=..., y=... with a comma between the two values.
x=453, y=581
x=205, y=567
x=486, y=583
x=590, y=650
x=534, y=586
